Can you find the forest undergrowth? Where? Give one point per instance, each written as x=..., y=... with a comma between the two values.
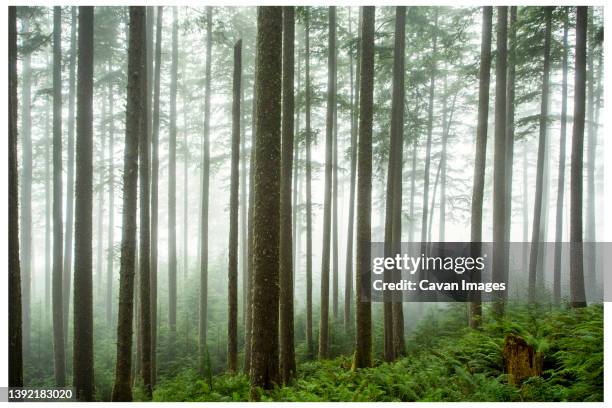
x=445, y=361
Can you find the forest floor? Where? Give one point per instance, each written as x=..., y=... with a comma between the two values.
x=445, y=361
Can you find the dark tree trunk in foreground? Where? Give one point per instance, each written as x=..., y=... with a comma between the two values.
x=172, y=180
x=14, y=329
x=577, y=293
x=499, y=155
x=58, y=226
x=287, y=351
x=26, y=194
x=68, y=245
x=394, y=187
x=537, y=209
x=264, y=343
x=154, y=191
x=363, y=336
x=232, y=269
x=561, y=177
x=348, y=280
x=309, y=335
x=203, y=302
x=83, y=374
x=329, y=135
x=481, y=147
x=135, y=114
x=144, y=229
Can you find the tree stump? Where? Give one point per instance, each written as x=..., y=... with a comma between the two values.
x=520, y=359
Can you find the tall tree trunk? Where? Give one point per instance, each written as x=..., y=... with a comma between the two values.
x=499, y=156
x=203, y=303
x=443, y=159
x=67, y=269
x=363, y=336
x=561, y=177
x=185, y=179
x=537, y=210
x=577, y=293
x=15, y=317
x=48, y=201
x=309, y=335
x=243, y=206
x=145, y=219
x=172, y=180
x=83, y=374
x=232, y=285
x=287, y=351
x=264, y=342
x=348, y=280
x=26, y=194
x=432, y=84
x=397, y=135
x=509, y=157
x=154, y=191
x=334, y=200
x=58, y=225
x=135, y=126
x=100, y=210
x=412, y=189
x=329, y=136
x=481, y=149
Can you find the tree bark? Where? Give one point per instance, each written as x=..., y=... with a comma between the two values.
x=561, y=177
x=172, y=180
x=232, y=320
x=537, y=210
x=58, y=324
x=154, y=190
x=83, y=374
x=329, y=136
x=577, y=293
x=135, y=111
x=264, y=342
x=111, y=204
x=481, y=150
x=14, y=286
x=287, y=350
x=363, y=336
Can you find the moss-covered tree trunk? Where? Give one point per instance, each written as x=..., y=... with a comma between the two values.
x=264, y=342
x=83, y=373
x=481, y=148
x=287, y=351
x=122, y=387
x=363, y=335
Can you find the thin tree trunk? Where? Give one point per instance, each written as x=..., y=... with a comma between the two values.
x=561, y=177
x=287, y=349
x=348, y=284
x=264, y=342
x=145, y=219
x=203, y=302
x=172, y=180
x=537, y=210
x=111, y=205
x=481, y=150
x=329, y=136
x=243, y=207
x=589, y=219
x=58, y=324
x=100, y=205
x=232, y=285
x=48, y=201
x=83, y=374
x=363, y=336
x=309, y=334
x=15, y=317
x=443, y=159
x=135, y=126
x=154, y=192
x=577, y=293
x=67, y=269
x=26, y=195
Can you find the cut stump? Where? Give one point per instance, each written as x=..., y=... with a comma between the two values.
x=521, y=360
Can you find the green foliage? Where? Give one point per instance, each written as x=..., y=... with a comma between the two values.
x=445, y=361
